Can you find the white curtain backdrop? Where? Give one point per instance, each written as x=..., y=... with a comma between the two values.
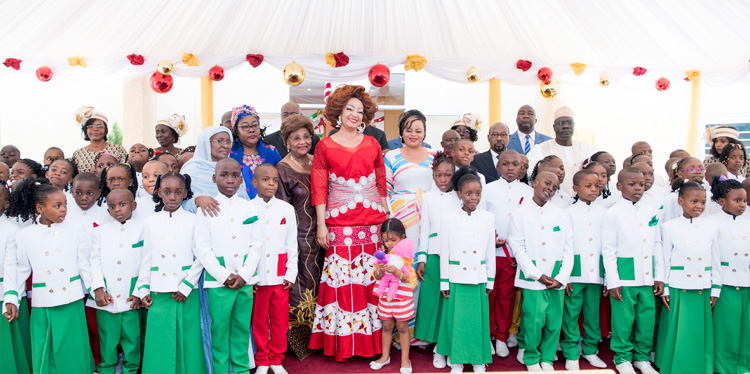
x=665, y=37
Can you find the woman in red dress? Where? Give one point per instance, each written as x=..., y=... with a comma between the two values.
x=349, y=195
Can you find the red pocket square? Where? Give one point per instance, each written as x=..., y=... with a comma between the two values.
x=96, y=225
x=283, y=221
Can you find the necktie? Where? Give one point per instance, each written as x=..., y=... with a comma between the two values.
x=527, y=148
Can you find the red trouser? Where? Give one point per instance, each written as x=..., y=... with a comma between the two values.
x=93, y=331
x=270, y=312
x=502, y=299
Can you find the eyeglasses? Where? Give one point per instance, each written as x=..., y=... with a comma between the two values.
x=565, y=123
x=304, y=137
x=94, y=126
x=246, y=128
x=462, y=131
x=495, y=135
x=694, y=170
x=222, y=142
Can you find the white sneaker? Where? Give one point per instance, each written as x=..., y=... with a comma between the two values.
x=457, y=368
x=478, y=368
x=625, y=367
x=501, y=348
x=546, y=366
x=438, y=361
x=278, y=369
x=519, y=356
x=534, y=367
x=572, y=365
x=261, y=370
x=645, y=367
x=595, y=361
x=512, y=341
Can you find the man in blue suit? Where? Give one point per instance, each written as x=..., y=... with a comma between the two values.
x=526, y=137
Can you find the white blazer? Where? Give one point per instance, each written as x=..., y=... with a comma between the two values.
x=734, y=249
x=10, y=288
x=170, y=253
x=117, y=254
x=229, y=243
x=278, y=222
x=588, y=265
x=690, y=257
x=658, y=201
x=144, y=206
x=561, y=199
x=58, y=256
x=502, y=199
x=467, y=248
x=542, y=242
x=629, y=237
x=435, y=204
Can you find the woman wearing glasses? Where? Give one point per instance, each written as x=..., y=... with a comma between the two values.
x=467, y=126
x=248, y=148
x=94, y=130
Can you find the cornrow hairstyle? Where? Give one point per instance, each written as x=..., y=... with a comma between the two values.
x=464, y=175
x=720, y=188
x=472, y=133
x=724, y=156
x=685, y=185
x=441, y=157
x=26, y=195
x=594, y=157
x=547, y=161
x=605, y=191
x=676, y=167
x=632, y=158
x=159, y=154
x=184, y=178
x=100, y=154
x=579, y=175
x=188, y=149
x=36, y=168
x=535, y=171
x=133, y=187
x=73, y=171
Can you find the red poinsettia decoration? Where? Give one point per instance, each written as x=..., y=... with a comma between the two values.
x=341, y=59
x=12, y=63
x=523, y=65
x=135, y=59
x=638, y=71
x=254, y=60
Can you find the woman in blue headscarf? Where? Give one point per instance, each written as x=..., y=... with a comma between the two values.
x=248, y=147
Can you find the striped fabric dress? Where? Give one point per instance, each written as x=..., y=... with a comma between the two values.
x=400, y=308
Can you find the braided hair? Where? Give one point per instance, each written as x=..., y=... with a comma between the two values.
x=133, y=187
x=465, y=175
x=605, y=191
x=720, y=187
x=184, y=178
x=36, y=168
x=26, y=195
x=724, y=156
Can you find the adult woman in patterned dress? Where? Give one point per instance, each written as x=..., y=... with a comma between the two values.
x=349, y=195
x=94, y=129
x=294, y=188
x=248, y=148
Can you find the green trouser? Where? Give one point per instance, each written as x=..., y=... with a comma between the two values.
x=731, y=321
x=541, y=320
x=584, y=298
x=60, y=339
x=634, y=314
x=122, y=329
x=15, y=342
x=231, y=314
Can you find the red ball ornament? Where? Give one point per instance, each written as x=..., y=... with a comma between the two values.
x=44, y=74
x=216, y=73
x=662, y=84
x=544, y=75
x=161, y=83
x=379, y=75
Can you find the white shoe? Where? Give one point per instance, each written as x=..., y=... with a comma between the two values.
x=625, y=367
x=457, y=368
x=406, y=370
x=534, y=367
x=645, y=367
x=438, y=361
x=546, y=366
x=478, y=368
x=501, y=348
x=653, y=357
x=375, y=365
x=512, y=341
x=261, y=370
x=448, y=361
x=492, y=347
x=555, y=359
x=519, y=356
x=278, y=369
x=572, y=365
x=595, y=361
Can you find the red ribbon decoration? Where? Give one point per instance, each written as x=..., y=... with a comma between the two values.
x=341, y=59
x=135, y=59
x=638, y=71
x=254, y=60
x=524, y=65
x=12, y=63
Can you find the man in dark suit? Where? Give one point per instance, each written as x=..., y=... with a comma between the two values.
x=275, y=139
x=486, y=162
x=526, y=137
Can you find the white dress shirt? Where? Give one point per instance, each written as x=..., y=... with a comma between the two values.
x=502, y=199
x=278, y=261
x=435, y=204
x=467, y=248
x=588, y=265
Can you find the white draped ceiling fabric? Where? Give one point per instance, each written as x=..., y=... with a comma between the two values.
x=666, y=37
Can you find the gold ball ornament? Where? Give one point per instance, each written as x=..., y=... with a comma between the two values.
x=165, y=67
x=473, y=75
x=549, y=90
x=294, y=75
x=605, y=79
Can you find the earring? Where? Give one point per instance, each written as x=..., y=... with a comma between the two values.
x=361, y=127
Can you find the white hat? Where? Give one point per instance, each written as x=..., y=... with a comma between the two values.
x=563, y=112
x=714, y=132
x=470, y=120
x=175, y=122
x=85, y=113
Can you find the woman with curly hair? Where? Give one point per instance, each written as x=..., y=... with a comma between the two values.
x=94, y=129
x=349, y=195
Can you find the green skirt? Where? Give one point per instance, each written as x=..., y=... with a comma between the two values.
x=15, y=342
x=60, y=340
x=464, y=332
x=686, y=338
x=732, y=331
x=173, y=336
x=430, y=302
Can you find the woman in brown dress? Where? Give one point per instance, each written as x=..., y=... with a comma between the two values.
x=294, y=178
